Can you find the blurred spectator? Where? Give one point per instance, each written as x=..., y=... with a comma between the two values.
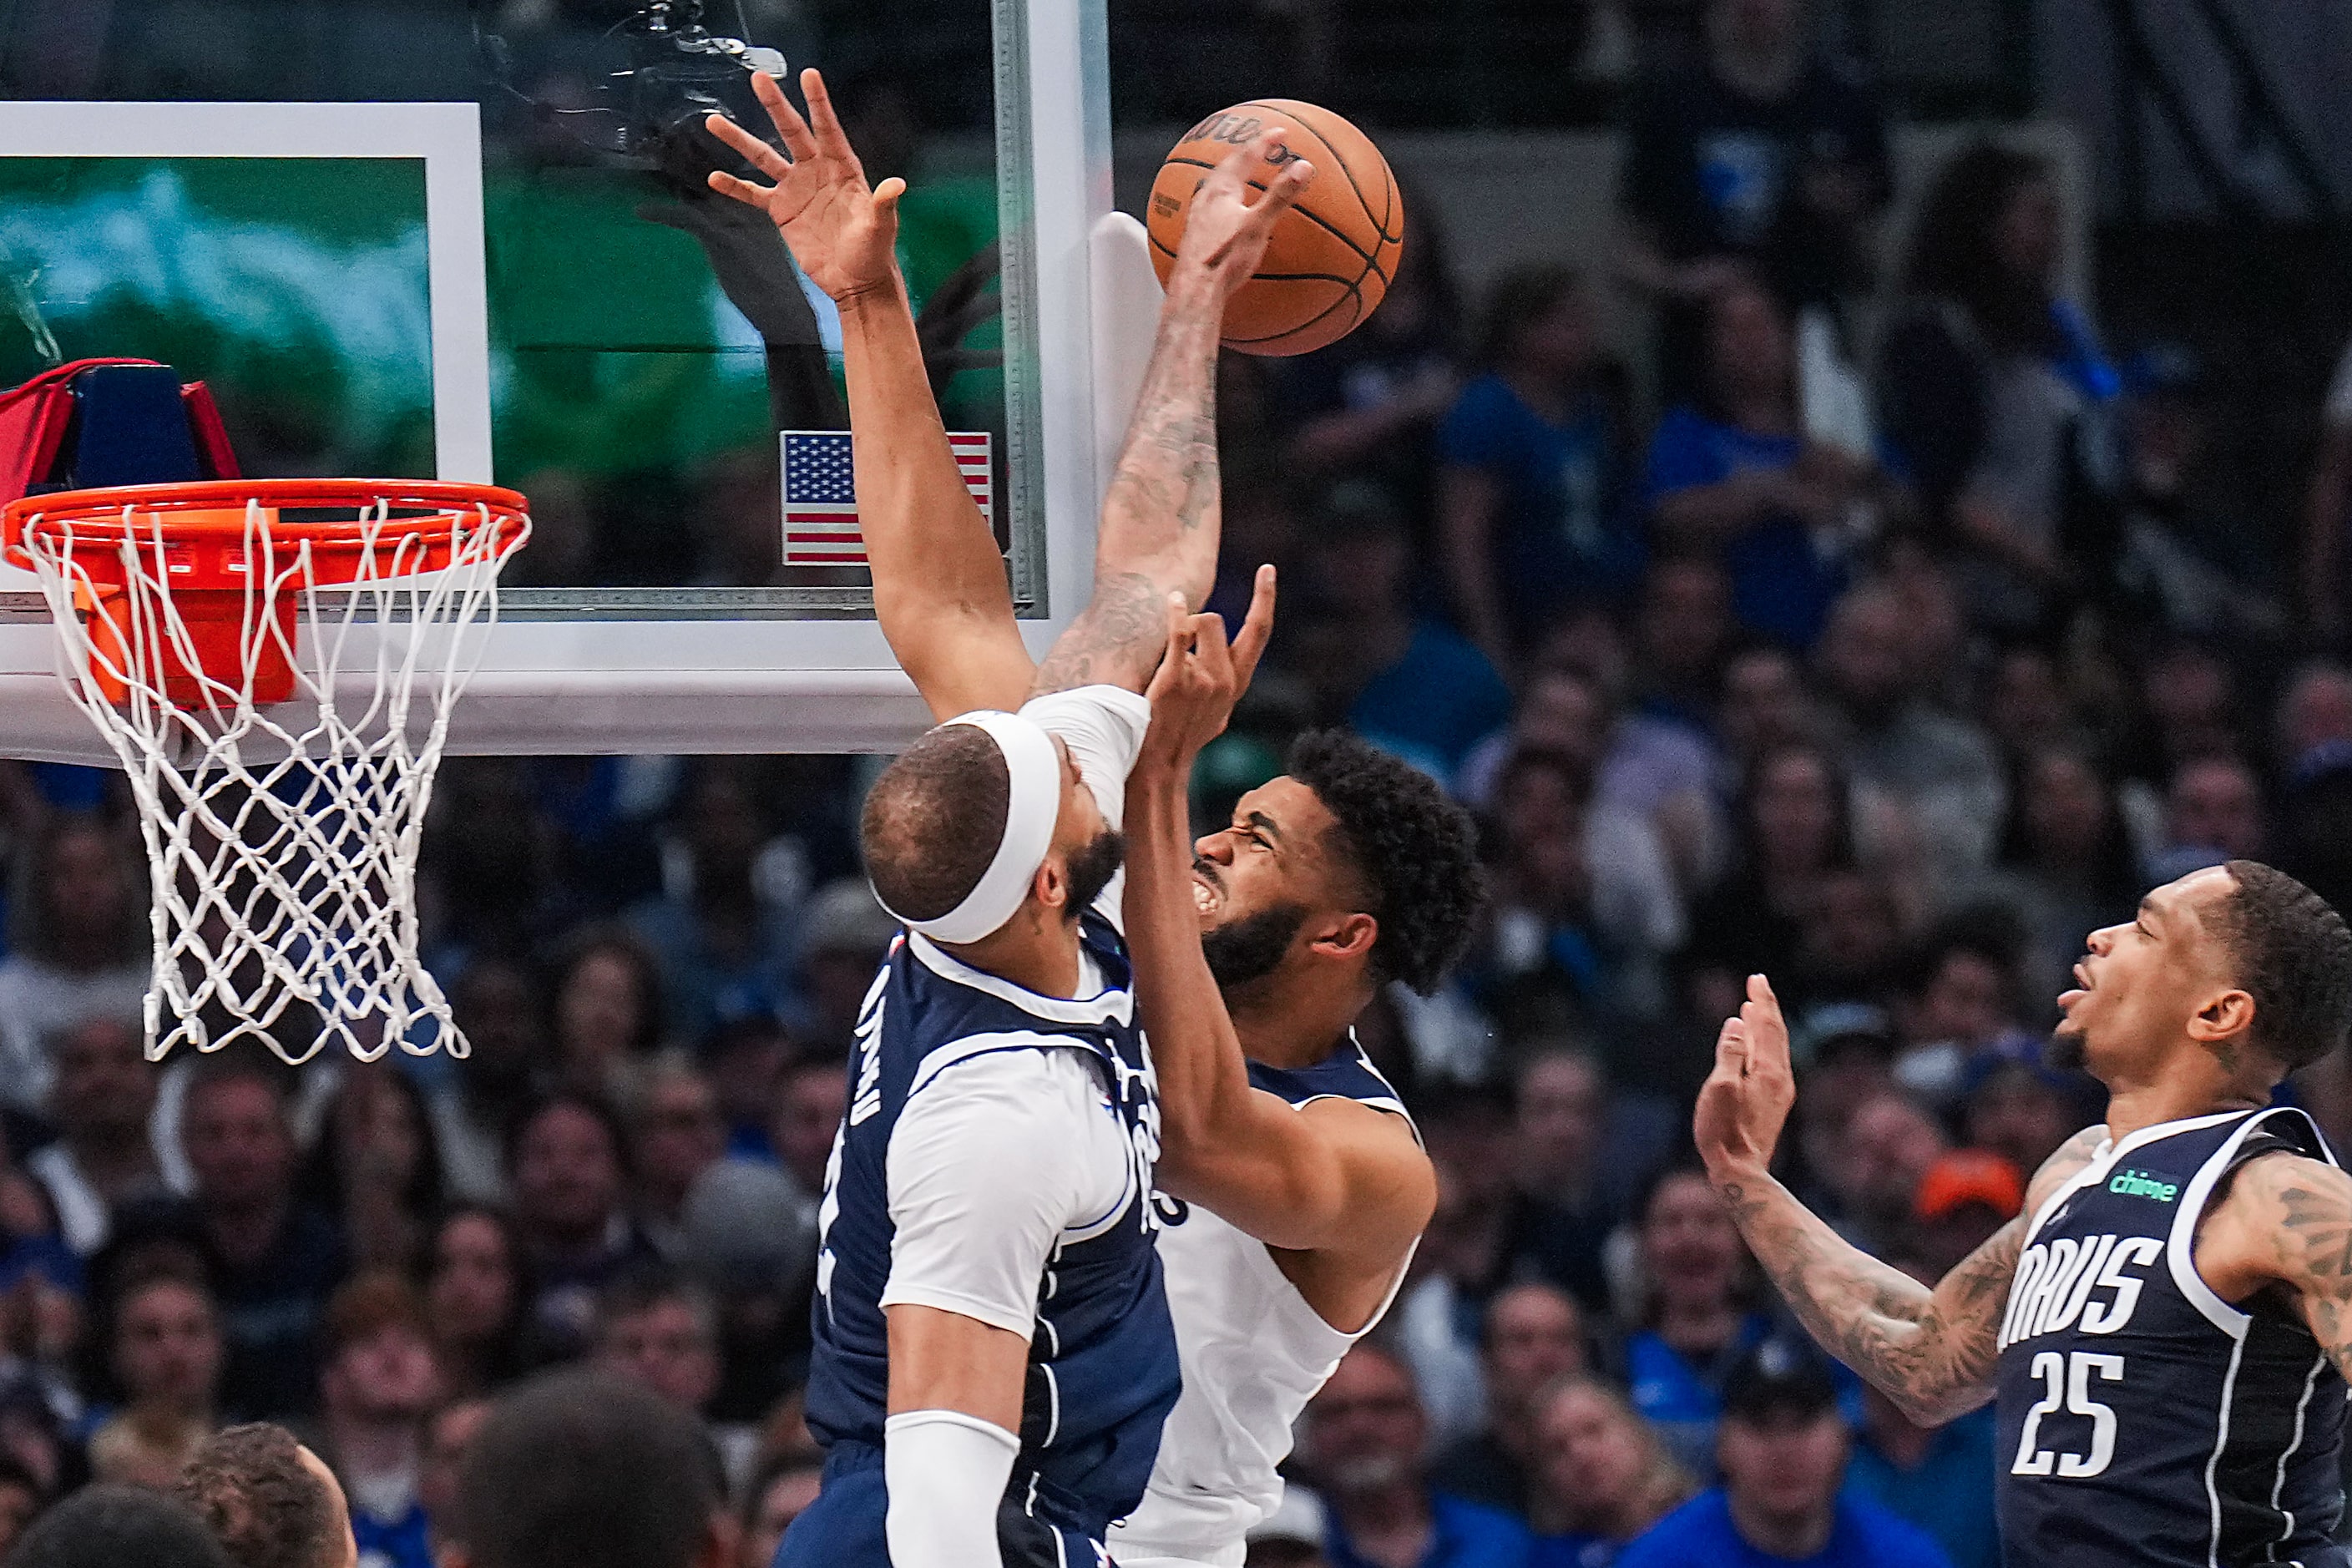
x=2026, y=706
x=1463, y=1259
x=1937, y=769
x=1693, y=1322
x=1939, y=1477
x=637, y=1488
x=2065, y=864
x=723, y=937
x=1533, y=1336
x=102, y=1103
x=498, y=1004
x=1584, y=905
x=744, y=1060
x=1570, y=1194
x=1370, y=404
x=1403, y=680
x=2022, y=1113
x=2192, y=706
x=274, y=1260
x=268, y=1500
x=448, y=1436
x=568, y=1163
x=608, y=1013
x=2212, y=812
x=1530, y=496
x=847, y=933
x=1890, y=1141
x=1683, y=630
x=76, y=948
x=778, y=1494
x=1793, y=823
x=1853, y=937
x=1734, y=476
x=21, y=1498
x=1766, y=154
x=659, y=1329
x=1603, y=1475
x=478, y=1295
x=489, y=856
x=108, y=1526
x=1965, y=1196
x=812, y=1097
x=377, y=1384
x=1364, y=1443
x=677, y=1135
x=1994, y=392
x=751, y=1237
x=2191, y=559
x=377, y=1166
x=2327, y=514
x=163, y=1352
x=1960, y=1000
x=1783, y=1453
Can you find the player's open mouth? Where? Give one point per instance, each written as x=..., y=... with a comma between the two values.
x=1206, y=894
x=2081, y=988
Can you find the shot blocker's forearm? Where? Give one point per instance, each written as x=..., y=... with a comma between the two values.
x=939, y=587
x=1929, y=1351
x=1161, y=515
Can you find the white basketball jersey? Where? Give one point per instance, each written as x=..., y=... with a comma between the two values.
x=1254, y=1352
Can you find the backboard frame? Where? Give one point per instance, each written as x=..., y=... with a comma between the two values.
x=701, y=669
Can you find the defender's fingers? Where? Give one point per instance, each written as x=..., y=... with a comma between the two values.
x=1258, y=626
x=754, y=151
x=1282, y=193
x=831, y=139
x=743, y=191
x=786, y=119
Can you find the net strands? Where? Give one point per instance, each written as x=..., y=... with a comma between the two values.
x=282, y=835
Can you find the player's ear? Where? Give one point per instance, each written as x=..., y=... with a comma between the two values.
x=2225, y=1016
x=1050, y=884
x=1349, y=938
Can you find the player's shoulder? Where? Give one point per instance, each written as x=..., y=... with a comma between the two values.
x=2065, y=1165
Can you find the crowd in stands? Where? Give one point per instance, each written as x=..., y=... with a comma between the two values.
x=1886, y=635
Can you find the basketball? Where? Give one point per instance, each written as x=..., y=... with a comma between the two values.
x=1331, y=257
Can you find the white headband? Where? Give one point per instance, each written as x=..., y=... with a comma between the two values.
x=1031, y=806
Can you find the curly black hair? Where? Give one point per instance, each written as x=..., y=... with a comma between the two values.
x=2293, y=955
x=1414, y=852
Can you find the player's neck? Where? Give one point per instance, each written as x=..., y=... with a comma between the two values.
x=1038, y=955
x=2174, y=1095
x=1291, y=1026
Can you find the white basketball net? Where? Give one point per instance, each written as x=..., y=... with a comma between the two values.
x=282, y=839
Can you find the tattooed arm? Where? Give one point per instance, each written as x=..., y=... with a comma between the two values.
x=1161, y=518
x=1930, y=1350
x=2286, y=1221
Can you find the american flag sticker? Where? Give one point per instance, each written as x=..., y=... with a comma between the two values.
x=821, y=493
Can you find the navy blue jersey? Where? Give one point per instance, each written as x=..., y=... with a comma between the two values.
x=1102, y=1362
x=2145, y=1421
x=1347, y=1073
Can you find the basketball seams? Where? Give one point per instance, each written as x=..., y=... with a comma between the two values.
x=1286, y=112
x=1315, y=218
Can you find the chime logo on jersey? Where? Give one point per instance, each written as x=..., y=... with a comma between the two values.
x=2139, y=1185
x=2095, y=1280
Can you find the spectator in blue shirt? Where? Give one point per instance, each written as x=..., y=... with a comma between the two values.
x=1365, y=1445
x=1939, y=1477
x=1603, y=1477
x=1529, y=495
x=1735, y=476
x=1783, y=1447
x=1696, y=1323
x=1401, y=681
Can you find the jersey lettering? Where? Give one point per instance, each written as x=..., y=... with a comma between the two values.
x=2059, y=1283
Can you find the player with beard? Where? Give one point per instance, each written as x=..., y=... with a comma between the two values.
x=2167, y=1325
x=994, y=1356
x=1352, y=870
x=1294, y=1184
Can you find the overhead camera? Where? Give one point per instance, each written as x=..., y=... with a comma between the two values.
x=677, y=71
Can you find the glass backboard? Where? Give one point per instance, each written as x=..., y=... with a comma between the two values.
x=466, y=242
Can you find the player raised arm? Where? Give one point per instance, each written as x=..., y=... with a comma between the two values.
x=1162, y=516
x=1332, y=1176
x=1931, y=1351
x=939, y=587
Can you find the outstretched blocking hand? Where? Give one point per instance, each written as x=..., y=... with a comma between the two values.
x=1201, y=677
x=1746, y=1099
x=1225, y=233
x=843, y=233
